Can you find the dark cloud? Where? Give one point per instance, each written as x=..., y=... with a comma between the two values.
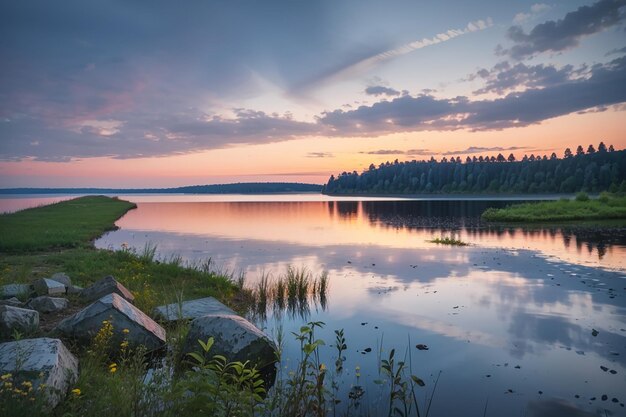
x=604, y=85
x=559, y=35
x=480, y=149
x=380, y=90
x=503, y=77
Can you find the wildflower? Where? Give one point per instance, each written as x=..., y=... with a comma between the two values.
x=5, y=376
x=105, y=322
x=8, y=384
x=322, y=367
x=124, y=344
x=27, y=384
x=113, y=368
x=76, y=391
x=125, y=331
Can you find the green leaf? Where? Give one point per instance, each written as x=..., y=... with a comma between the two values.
x=418, y=381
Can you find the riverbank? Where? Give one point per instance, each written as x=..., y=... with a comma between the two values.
x=606, y=207
x=38, y=242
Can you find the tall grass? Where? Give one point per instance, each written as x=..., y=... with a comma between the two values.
x=292, y=291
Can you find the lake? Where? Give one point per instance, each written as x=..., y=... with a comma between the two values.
x=523, y=322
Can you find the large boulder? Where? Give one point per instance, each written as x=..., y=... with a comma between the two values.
x=192, y=309
x=47, y=286
x=14, y=290
x=107, y=285
x=46, y=304
x=85, y=324
x=16, y=318
x=234, y=337
x=62, y=278
x=40, y=361
x=14, y=302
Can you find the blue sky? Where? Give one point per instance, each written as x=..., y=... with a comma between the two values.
x=130, y=81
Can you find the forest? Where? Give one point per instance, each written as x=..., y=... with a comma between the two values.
x=591, y=170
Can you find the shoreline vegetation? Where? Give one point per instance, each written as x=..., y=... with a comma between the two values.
x=118, y=382
x=606, y=207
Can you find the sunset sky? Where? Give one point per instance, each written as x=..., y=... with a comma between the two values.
x=161, y=93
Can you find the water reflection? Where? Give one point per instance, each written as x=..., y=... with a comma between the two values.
x=518, y=315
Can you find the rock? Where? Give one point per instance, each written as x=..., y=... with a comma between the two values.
x=234, y=337
x=13, y=302
x=15, y=318
x=40, y=361
x=192, y=309
x=62, y=278
x=47, y=286
x=84, y=325
x=14, y=290
x=74, y=289
x=46, y=304
x=107, y=285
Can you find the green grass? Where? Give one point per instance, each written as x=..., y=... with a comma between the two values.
x=68, y=224
x=448, y=241
x=604, y=208
x=41, y=241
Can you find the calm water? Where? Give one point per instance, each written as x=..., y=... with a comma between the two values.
x=504, y=319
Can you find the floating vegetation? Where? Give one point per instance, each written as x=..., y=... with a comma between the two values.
x=448, y=241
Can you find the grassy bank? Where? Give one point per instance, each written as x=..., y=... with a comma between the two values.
x=581, y=208
x=40, y=241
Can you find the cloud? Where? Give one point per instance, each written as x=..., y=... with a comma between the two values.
x=363, y=63
x=380, y=90
x=385, y=152
x=146, y=135
x=559, y=35
x=504, y=77
x=320, y=155
x=410, y=152
x=603, y=85
x=479, y=149
x=535, y=10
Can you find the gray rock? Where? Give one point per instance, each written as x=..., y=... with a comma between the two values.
x=192, y=309
x=14, y=290
x=15, y=318
x=62, y=278
x=13, y=302
x=107, y=285
x=234, y=337
x=84, y=325
x=40, y=361
x=47, y=286
x=46, y=304
x=74, y=289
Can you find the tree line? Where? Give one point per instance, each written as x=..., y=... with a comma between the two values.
x=592, y=170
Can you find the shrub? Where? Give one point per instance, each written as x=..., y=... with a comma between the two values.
x=582, y=196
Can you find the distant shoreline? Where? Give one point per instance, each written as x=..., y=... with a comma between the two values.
x=461, y=196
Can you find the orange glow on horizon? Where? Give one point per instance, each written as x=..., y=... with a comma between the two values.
x=312, y=159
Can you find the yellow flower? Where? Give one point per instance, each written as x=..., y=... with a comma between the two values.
x=8, y=384
x=27, y=384
x=322, y=367
x=125, y=331
x=76, y=391
x=124, y=344
x=113, y=370
x=5, y=376
x=113, y=365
